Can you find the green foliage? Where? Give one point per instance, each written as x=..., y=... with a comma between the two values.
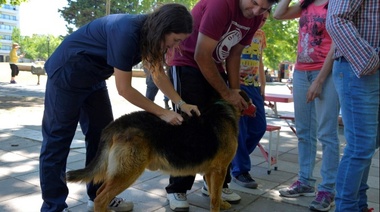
x=282, y=38
x=36, y=47
x=13, y=2
x=79, y=12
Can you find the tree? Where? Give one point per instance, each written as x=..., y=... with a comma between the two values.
x=282, y=39
x=12, y=2
x=36, y=47
x=79, y=12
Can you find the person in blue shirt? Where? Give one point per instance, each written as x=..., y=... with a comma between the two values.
x=76, y=89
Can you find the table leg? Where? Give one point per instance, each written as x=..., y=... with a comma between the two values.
x=275, y=109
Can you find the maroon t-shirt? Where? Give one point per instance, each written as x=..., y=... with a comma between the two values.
x=221, y=20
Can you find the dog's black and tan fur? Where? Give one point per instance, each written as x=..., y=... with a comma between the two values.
x=139, y=140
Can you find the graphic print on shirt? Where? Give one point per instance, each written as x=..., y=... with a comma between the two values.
x=233, y=36
x=250, y=60
x=312, y=27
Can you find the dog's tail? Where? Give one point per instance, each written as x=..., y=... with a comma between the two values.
x=96, y=170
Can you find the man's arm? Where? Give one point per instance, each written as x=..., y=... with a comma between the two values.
x=356, y=50
x=233, y=66
x=203, y=56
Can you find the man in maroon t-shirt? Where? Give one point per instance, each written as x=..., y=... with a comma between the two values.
x=207, y=67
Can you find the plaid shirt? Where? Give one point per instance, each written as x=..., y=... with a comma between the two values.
x=354, y=26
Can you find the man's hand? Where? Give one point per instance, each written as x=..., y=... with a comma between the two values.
x=187, y=108
x=236, y=99
x=372, y=72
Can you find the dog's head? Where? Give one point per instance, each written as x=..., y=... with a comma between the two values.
x=251, y=110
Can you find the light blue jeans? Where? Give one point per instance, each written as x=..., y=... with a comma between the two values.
x=359, y=99
x=316, y=120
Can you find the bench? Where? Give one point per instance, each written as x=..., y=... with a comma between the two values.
x=38, y=69
x=34, y=68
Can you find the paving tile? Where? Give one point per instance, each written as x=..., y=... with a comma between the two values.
x=265, y=204
x=14, y=169
x=12, y=188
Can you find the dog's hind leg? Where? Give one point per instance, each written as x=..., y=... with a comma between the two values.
x=112, y=187
x=214, y=180
x=127, y=161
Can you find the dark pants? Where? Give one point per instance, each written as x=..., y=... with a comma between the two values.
x=193, y=89
x=14, y=70
x=69, y=98
x=251, y=130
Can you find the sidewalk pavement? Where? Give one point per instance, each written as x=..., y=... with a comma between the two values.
x=21, y=108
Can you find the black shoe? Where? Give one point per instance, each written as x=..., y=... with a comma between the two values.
x=245, y=180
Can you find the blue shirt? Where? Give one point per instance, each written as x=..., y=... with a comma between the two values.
x=99, y=46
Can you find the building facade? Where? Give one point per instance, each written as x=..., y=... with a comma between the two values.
x=9, y=19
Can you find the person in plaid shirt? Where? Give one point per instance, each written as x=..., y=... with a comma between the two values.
x=354, y=26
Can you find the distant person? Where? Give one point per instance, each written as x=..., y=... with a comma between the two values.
x=316, y=105
x=268, y=77
x=76, y=89
x=251, y=129
x=152, y=89
x=13, y=59
x=354, y=27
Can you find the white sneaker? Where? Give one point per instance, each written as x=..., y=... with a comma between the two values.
x=117, y=204
x=227, y=194
x=66, y=210
x=178, y=201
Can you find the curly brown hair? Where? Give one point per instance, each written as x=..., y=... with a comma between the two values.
x=166, y=19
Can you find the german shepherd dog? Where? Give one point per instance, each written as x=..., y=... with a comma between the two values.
x=202, y=144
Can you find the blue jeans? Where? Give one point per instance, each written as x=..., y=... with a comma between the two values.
x=317, y=120
x=359, y=99
x=251, y=130
x=151, y=88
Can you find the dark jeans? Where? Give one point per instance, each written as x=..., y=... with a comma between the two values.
x=193, y=89
x=67, y=102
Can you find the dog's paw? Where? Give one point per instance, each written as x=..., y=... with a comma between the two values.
x=224, y=205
